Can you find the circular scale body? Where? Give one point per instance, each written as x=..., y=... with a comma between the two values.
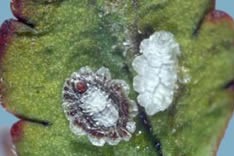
x=98, y=106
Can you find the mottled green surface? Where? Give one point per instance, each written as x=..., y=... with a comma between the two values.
x=70, y=34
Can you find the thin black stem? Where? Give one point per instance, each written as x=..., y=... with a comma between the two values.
x=148, y=128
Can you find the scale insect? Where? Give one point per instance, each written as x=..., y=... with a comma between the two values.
x=157, y=72
x=98, y=106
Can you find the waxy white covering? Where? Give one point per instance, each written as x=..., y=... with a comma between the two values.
x=156, y=68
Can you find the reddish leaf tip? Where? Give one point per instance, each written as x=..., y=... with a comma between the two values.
x=17, y=131
x=217, y=16
x=16, y=8
x=21, y=12
x=6, y=32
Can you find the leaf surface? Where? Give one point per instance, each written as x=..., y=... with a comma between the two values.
x=53, y=38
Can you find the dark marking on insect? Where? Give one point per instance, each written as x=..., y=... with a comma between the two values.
x=98, y=106
x=81, y=87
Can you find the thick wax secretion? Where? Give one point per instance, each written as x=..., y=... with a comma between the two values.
x=156, y=68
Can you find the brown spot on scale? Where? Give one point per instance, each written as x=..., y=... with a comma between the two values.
x=72, y=113
x=81, y=87
x=217, y=16
x=17, y=131
x=97, y=134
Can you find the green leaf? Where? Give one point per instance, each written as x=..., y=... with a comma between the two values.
x=53, y=38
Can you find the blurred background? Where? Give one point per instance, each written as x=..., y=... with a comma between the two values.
x=226, y=148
